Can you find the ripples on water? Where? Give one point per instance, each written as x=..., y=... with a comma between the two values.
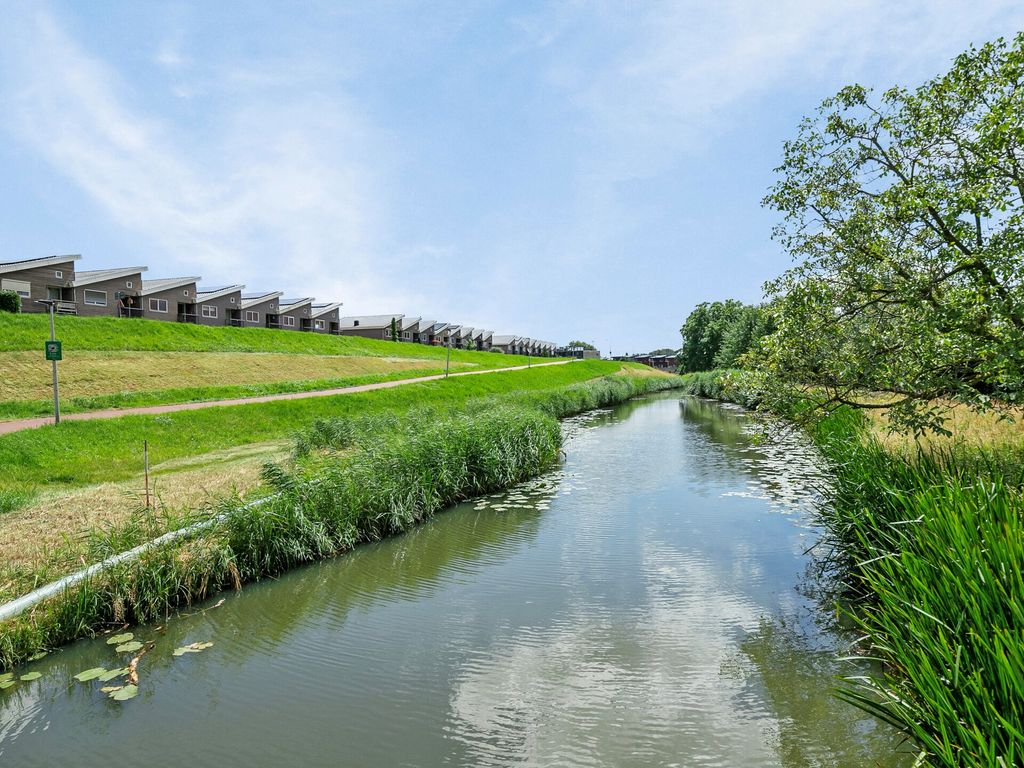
x=638, y=606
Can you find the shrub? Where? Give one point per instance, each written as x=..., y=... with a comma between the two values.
x=10, y=302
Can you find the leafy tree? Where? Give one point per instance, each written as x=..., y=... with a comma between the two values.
x=905, y=212
x=743, y=334
x=394, y=329
x=10, y=301
x=703, y=332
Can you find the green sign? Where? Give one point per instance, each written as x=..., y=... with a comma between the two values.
x=53, y=351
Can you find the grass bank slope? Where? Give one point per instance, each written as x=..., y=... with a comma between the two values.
x=355, y=476
x=113, y=363
x=927, y=542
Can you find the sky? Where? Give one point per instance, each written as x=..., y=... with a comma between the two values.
x=572, y=170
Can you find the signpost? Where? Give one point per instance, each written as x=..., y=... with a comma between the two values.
x=53, y=352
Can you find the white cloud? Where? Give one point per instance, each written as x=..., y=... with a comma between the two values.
x=277, y=189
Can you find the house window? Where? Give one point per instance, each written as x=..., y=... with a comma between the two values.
x=185, y=292
x=232, y=299
x=129, y=284
x=96, y=298
x=209, y=310
x=20, y=287
x=407, y=335
x=387, y=333
x=288, y=321
x=58, y=274
x=158, y=305
x=355, y=323
x=252, y=317
x=319, y=324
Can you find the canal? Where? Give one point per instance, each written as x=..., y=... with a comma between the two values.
x=650, y=603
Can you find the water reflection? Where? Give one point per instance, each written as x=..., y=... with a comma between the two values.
x=639, y=606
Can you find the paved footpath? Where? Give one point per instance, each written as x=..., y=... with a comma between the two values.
x=6, y=427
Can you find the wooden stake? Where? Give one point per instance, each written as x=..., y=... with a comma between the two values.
x=145, y=459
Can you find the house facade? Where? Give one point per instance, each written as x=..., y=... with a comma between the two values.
x=296, y=314
x=260, y=310
x=109, y=292
x=326, y=318
x=408, y=328
x=220, y=305
x=171, y=299
x=51, y=277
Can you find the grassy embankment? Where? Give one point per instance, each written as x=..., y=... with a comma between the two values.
x=928, y=545
x=112, y=363
x=378, y=464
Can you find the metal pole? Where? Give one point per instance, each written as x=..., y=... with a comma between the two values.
x=145, y=459
x=447, y=355
x=56, y=391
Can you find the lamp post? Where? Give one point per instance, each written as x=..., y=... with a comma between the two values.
x=447, y=354
x=53, y=354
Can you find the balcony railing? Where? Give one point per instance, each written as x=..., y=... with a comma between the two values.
x=188, y=317
x=235, y=322
x=130, y=312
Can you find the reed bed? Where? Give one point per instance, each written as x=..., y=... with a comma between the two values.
x=350, y=480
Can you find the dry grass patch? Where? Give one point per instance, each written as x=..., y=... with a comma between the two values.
x=184, y=484
x=969, y=428
x=26, y=375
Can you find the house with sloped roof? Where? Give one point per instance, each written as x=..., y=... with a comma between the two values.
x=295, y=314
x=369, y=326
x=220, y=304
x=50, y=277
x=260, y=310
x=109, y=292
x=170, y=298
x=326, y=317
x=408, y=327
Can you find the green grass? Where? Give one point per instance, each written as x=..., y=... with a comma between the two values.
x=27, y=332
x=356, y=477
x=77, y=453
x=23, y=409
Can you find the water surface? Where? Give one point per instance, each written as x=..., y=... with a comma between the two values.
x=645, y=605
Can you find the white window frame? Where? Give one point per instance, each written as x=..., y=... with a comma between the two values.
x=319, y=324
x=185, y=292
x=154, y=306
x=93, y=302
x=387, y=333
x=58, y=274
x=287, y=321
x=21, y=287
x=128, y=284
x=407, y=334
x=251, y=316
x=210, y=311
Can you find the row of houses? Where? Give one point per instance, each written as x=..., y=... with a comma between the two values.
x=124, y=293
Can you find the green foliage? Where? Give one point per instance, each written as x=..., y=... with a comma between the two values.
x=581, y=345
x=718, y=334
x=394, y=329
x=929, y=550
x=10, y=301
x=905, y=212
x=355, y=479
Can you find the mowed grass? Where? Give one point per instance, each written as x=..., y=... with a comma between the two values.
x=27, y=332
x=118, y=379
x=88, y=452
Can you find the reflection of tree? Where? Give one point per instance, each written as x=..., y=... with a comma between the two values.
x=815, y=728
x=785, y=469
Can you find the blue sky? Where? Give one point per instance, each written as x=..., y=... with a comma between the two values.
x=556, y=170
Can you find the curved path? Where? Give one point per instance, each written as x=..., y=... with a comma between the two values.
x=6, y=427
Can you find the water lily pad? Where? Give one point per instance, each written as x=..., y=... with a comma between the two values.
x=134, y=645
x=125, y=693
x=90, y=674
x=107, y=676
x=111, y=688
x=31, y=676
x=191, y=648
x=122, y=638
x=5, y=684
x=6, y=677
x=37, y=656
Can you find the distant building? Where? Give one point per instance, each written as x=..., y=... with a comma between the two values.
x=260, y=310
x=295, y=314
x=369, y=326
x=326, y=318
x=109, y=292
